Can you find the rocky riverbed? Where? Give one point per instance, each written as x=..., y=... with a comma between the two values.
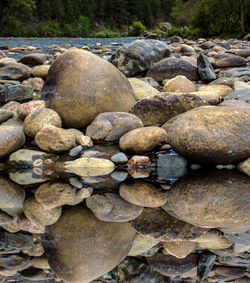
x=125, y=162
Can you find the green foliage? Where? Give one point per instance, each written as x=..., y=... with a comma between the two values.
x=137, y=29
x=106, y=33
x=83, y=26
x=50, y=29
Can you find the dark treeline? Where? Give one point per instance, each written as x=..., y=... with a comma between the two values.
x=87, y=17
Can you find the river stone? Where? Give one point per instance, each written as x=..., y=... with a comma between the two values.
x=168, y=265
x=5, y=218
x=169, y=68
x=81, y=248
x=36, y=275
x=35, y=212
x=119, y=158
x=40, y=71
x=11, y=139
x=244, y=167
x=14, y=262
x=54, y=194
x=33, y=59
x=162, y=226
x=139, y=55
x=230, y=61
x=205, y=69
x=222, y=90
x=142, y=89
x=27, y=108
x=6, y=61
x=110, y=126
x=78, y=95
x=35, y=83
x=240, y=95
x=235, y=103
x=142, y=244
x=142, y=140
x=220, y=243
x=212, y=134
x=5, y=115
x=40, y=262
x=142, y=193
x=227, y=273
x=111, y=207
x=245, y=52
x=179, y=249
x=15, y=92
x=179, y=84
x=36, y=120
x=18, y=72
x=156, y=110
x=200, y=199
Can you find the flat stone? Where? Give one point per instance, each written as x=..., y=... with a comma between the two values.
x=142, y=89
x=179, y=249
x=18, y=72
x=15, y=92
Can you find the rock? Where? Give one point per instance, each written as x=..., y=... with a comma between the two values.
x=179, y=84
x=35, y=83
x=206, y=263
x=238, y=85
x=157, y=110
x=53, y=139
x=14, y=262
x=200, y=199
x=162, y=226
x=15, y=241
x=97, y=246
x=5, y=115
x=142, y=89
x=150, y=81
x=15, y=92
x=142, y=139
x=221, y=134
x=205, y=69
x=229, y=62
x=168, y=265
x=40, y=262
x=221, y=243
x=245, y=52
x=235, y=103
x=142, y=244
x=179, y=249
x=11, y=106
x=142, y=193
x=227, y=273
x=111, y=126
x=29, y=107
x=5, y=218
x=40, y=71
x=28, y=176
x=112, y=208
x=35, y=250
x=80, y=95
x=11, y=139
x=119, y=158
x=33, y=59
x=139, y=55
x=85, y=166
x=6, y=61
x=119, y=175
x=54, y=194
x=176, y=39
x=240, y=95
x=81, y=139
x=139, y=160
x=34, y=275
x=244, y=167
x=171, y=166
x=40, y=118
x=18, y=72
x=171, y=67
x=27, y=225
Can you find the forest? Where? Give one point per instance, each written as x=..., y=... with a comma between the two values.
x=111, y=18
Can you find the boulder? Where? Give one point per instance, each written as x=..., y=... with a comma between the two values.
x=110, y=126
x=27, y=108
x=78, y=95
x=142, y=89
x=157, y=110
x=179, y=84
x=11, y=139
x=142, y=140
x=142, y=193
x=211, y=199
x=111, y=207
x=15, y=92
x=139, y=55
x=169, y=68
x=34, y=59
x=18, y=72
x=81, y=248
x=205, y=69
x=212, y=134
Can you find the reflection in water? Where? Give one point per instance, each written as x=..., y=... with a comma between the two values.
x=92, y=214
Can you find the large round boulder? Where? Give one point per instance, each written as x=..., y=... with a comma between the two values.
x=80, y=248
x=212, y=134
x=80, y=86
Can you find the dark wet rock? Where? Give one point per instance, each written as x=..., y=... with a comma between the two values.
x=34, y=59
x=179, y=249
x=157, y=110
x=111, y=126
x=230, y=61
x=80, y=248
x=212, y=134
x=160, y=225
x=200, y=199
x=36, y=120
x=168, y=265
x=18, y=72
x=78, y=96
x=206, y=45
x=112, y=208
x=139, y=55
x=14, y=262
x=240, y=95
x=142, y=140
x=170, y=67
x=171, y=166
x=142, y=193
x=27, y=108
x=205, y=69
x=5, y=115
x=205, y=265
x=15, y=241
x=15, y=92
x=33, y=275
